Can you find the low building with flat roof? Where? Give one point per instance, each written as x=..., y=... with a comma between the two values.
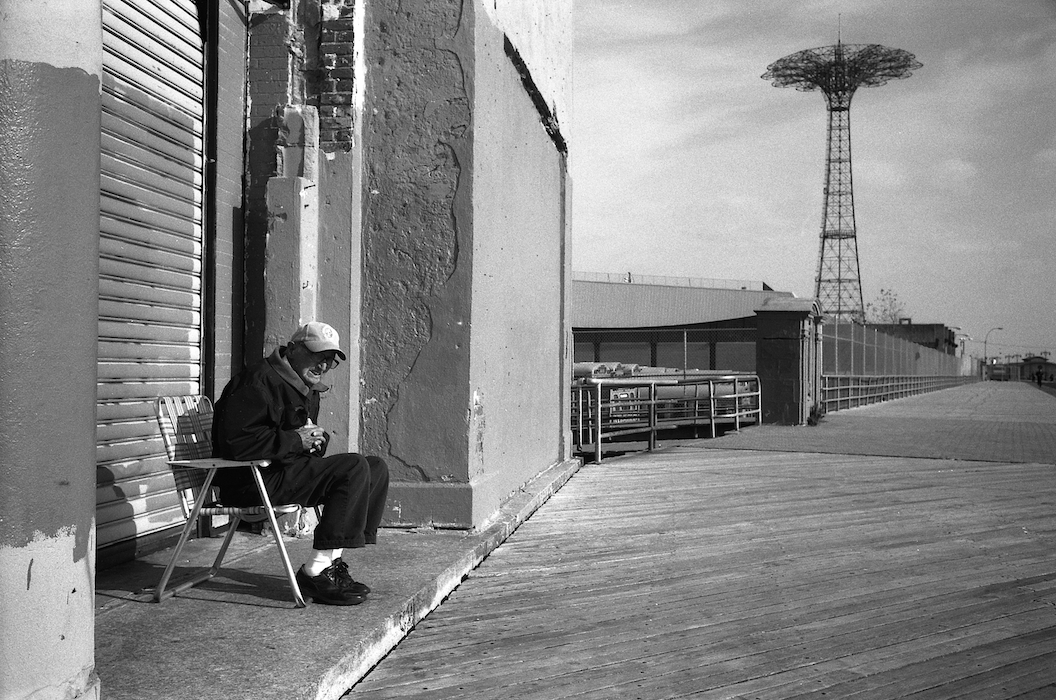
x=682, y=322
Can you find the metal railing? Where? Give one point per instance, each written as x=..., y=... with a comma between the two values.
x=607, y=408
x=849, y=391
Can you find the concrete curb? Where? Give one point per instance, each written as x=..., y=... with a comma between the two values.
x=372, y=647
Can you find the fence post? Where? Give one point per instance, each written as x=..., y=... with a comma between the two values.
x=652, y=415
x=597, y=427
x=712, y=405
x=685, y=352
x=784, y=359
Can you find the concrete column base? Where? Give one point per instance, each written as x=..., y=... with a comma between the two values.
x=433, y=503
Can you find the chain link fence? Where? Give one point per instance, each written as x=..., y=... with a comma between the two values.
x=852, y=349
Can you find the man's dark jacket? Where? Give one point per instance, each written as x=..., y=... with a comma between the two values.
x=257, y=417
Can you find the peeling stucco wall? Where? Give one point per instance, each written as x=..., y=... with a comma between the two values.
x=465, y=232
x=416, y=294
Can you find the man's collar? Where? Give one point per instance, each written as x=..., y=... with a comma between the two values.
x=277, y=360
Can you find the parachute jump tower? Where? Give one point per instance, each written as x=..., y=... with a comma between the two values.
x=838, y=71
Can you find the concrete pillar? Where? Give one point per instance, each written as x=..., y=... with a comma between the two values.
x=50, y=68
x=787, y=359
x=465, y=348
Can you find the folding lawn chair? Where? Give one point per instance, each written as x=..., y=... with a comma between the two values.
x=186, y=425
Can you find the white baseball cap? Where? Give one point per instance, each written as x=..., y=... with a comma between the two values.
x=318, y=337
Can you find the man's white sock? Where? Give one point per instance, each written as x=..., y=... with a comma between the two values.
x=321, y=559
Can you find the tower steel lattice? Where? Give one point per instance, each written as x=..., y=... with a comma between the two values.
x=837, y=71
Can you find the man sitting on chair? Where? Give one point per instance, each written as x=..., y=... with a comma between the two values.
x=269, y=411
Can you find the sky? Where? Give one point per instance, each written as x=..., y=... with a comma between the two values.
x=685, y=162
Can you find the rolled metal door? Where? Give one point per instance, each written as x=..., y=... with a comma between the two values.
x=151, y=253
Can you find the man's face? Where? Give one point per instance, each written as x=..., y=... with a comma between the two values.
x=310, y=366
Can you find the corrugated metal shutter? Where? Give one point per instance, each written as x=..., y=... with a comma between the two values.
x=150, y=257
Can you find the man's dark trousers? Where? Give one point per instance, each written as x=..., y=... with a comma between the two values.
x=350, y=487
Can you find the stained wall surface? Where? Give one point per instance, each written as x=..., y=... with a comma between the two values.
x=50, y=65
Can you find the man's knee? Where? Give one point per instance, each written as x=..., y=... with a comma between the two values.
x=357, y=468
x=379, y=470
x=346, y=467
x=377, y=465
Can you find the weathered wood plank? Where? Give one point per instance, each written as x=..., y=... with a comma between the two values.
x=763, y=575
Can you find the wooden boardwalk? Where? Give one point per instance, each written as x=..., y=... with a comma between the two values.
x=706, y=572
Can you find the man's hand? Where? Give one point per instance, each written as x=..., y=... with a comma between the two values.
x=311, y=437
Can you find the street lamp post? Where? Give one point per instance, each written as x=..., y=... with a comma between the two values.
x=986, y=360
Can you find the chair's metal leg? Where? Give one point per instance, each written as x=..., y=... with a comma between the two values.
x=231, y=528
x=160, y=593
x=294, y=588
x=206, y=574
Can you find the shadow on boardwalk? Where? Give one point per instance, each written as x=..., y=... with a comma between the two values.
x=901, y=550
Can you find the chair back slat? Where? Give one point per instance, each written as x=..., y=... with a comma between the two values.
x=186, y=424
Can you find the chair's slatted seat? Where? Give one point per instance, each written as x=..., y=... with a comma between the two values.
x=186, y=425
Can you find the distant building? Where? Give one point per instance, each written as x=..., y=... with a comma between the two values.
x=1025, y=370
x=931, y=335
x=1031, y=365
x=681, y=322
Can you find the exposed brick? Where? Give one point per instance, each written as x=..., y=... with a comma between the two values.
x=334, y=99
x=344, y=24
x=341, y=134
x=337, y=49
x=342, y=36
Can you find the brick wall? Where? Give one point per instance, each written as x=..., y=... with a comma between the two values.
x=337, y=63
x=226, y=295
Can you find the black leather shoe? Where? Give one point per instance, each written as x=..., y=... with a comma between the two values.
x=326, y=588
x=345, y=579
